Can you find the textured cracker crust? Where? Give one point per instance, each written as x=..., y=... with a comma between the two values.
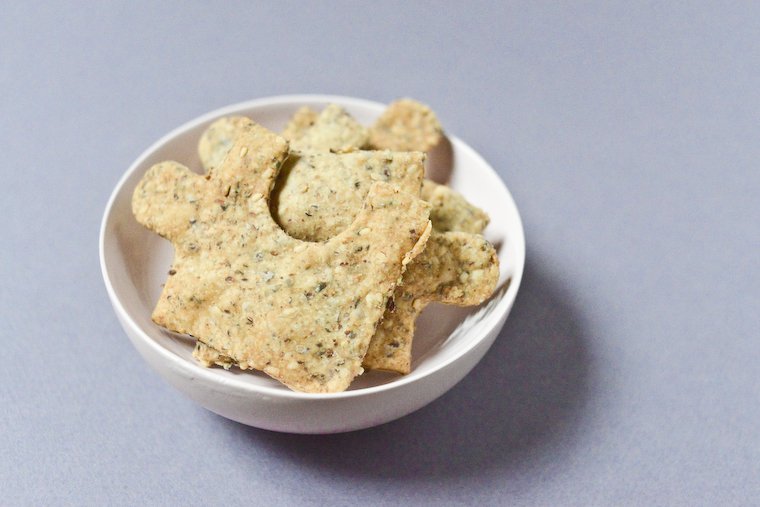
x=334, y=129
x=319, y=193
x=450, y=211
x=456, y=268
x=217, y=139
x=406, y=125
x=322, y=183
x=302, y=120
x=303, y=313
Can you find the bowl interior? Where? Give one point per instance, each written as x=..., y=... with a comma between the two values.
x=135, y=261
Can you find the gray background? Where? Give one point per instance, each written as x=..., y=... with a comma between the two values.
x=628, y=134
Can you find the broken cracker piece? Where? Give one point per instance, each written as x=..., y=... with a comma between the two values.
x=450, y=211
x=303, y=313
x=456, y=268
x=406, y=125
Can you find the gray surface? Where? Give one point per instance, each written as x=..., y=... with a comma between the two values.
x=627, y=373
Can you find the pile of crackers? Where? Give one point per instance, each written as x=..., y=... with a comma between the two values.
x=308, y=255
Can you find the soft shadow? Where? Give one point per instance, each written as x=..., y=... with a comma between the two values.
x=526, y=397
x=440, y=162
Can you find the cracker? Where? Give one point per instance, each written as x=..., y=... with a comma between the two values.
x=456, y=268
x=318, y=194
x=406, y=125
x=209, y=357
x=302, y=120
x=334, y=129
x=217, y=139
x=314, y=201
x=450, y=211
x=443, y=273
x=303, y=313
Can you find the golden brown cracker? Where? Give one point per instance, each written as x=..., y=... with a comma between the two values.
x=406, y=125
x=303, y=313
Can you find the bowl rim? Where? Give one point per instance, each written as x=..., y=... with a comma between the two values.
x=207, y=374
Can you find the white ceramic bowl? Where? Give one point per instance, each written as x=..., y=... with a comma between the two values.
x=448, y=343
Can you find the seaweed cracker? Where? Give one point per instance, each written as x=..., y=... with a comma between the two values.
x=458, y=267
x=303, y=313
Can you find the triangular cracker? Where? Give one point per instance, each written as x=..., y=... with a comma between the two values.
x=302, y=312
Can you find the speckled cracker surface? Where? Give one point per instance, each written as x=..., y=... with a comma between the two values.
x=217, y=139
x=304, y=313
x=456, y=268
x=333, y=129
x=319, y=193
x=406, y=125
x=302, y=120
x=450, y=211
x=443, y=273
x=307, y=208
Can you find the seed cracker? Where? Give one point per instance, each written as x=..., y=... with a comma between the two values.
x=217, y=139
x=303, y=313
x=303, y=119
x=450, y=211
x=334, y=129
x=456, y=268
x=390, y=349
x=406, y=125
x=319, y=193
